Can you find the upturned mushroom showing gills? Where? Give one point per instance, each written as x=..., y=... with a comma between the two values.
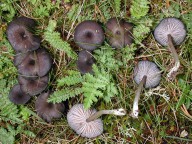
x=17, y=96
x=89, y=35
x=169, y=32
x=33, y=86
x=119, y=32
x=36, y=64
x=148, y=75
x=48, y=111
x=19, y=34
x=86, y=122
x=85, y=62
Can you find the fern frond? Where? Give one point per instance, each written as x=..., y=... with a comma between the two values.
x=55, y=40
x=64, y=94
x=117, y=4
x=6, y=137
x=70, y=80
x=140, y=32
x=98, y=86
x=106, y=58
x=139, y=8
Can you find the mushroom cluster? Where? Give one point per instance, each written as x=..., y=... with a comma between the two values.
x=89, y=35
x=33, y=64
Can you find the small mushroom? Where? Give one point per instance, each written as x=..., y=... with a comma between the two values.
x=119, y=32
x=35, y=64
x=148, y=75
x=169, y=32
x=17, y=96
x=85, y=62
x=33, y=86
x=19, y=34
x=86, y=122
x=89, y=35
x=48, y=111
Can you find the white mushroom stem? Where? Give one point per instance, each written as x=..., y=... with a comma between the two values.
x=175, y=56
x=135, y=110
x=118, y=112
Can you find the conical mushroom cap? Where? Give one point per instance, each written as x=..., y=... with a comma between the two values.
x=76, y=118
x=149, y=69
x=119, y=32
x=89, y=35
x=48, y=111
x=37, y=63
x=172, y=26
x=20, y=36
x=33, y=86
x=17, y=96
x=85, y=62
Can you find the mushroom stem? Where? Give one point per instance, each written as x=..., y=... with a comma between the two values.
x=118, y=112
x=175, y=56
x=135, y=111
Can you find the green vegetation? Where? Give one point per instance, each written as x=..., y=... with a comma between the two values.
x=165, y=111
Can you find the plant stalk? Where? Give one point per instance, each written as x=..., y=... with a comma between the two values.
x=175, y=56
x=135, y=110
x=118, y=112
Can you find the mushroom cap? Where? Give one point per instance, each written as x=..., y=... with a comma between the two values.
x=149, y=69
x=85, y=62
x=17, y=96
x=89, y=35
x=33, y=86
x=37, y=63
x=76, y=118
x=172, y=26
x=20, y=36
x=48, y=111
x=119, y=32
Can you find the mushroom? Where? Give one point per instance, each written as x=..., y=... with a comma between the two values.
x=48, y=111
x=86, y=122
x=19, y=57
x=148, y=75
x=17, y=96
x=119, y=32
x=20, y=36
x=89, y=35
x=85, y=62
x=33, y=86
x=169, y=32
x=35, y=64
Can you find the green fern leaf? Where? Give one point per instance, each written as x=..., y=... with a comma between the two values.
x=55, y=41
x=64, y=94
x=6, y=137
x=139, y=8
x=117, y=4
x=70, y=80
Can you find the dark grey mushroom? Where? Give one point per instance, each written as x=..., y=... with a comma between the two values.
x=89, y=35
x=19, y=34
x=36, y=64
x=48, y=111
x=17, y=96
x=119, y=32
